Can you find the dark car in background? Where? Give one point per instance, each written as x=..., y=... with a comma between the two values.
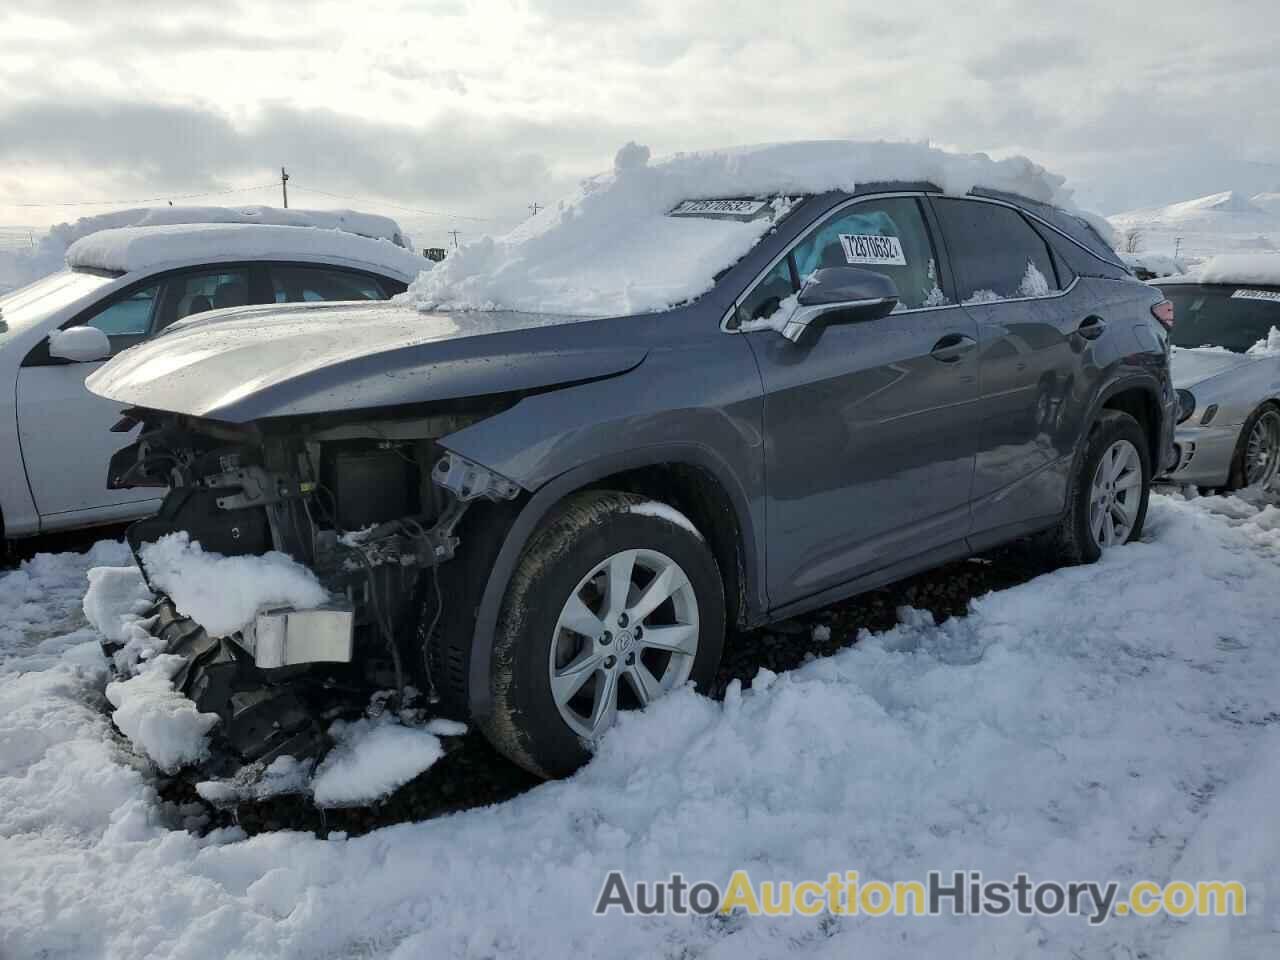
x=547, y=519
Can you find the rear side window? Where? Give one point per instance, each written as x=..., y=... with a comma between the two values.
x=1237, y=318
x=311, y=284
x=995, y=252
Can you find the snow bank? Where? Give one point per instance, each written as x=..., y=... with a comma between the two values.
x=223, y=594
x=1156, y=264
x=1260, y=268
x=371, y=759
x=161, y=722
x=1105, y=721
x=612, y=249
x=139, y=248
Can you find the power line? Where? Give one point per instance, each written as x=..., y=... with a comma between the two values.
x=114, y=203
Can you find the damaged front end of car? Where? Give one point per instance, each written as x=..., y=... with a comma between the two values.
x=376, y=508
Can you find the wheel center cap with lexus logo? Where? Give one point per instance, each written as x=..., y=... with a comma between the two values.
x=626, y=641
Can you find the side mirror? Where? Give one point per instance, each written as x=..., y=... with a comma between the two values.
x=79, y=344
x=840, y=295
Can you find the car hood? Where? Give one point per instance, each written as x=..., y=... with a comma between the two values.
x=1191, y=366
x=256, y=362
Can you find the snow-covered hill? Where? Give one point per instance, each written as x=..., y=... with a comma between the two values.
x=1218, y=223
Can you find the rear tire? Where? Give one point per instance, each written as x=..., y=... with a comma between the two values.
x=1256, y=458
x=551, y=682
x=1097, y=500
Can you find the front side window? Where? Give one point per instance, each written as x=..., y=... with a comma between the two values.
x=129, y=316
x=995, y=252
x=310, y=284
x=886, y=236
x=1237, y=318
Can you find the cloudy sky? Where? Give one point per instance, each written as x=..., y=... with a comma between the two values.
x=474, y=110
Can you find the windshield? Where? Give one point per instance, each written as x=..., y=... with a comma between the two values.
x=32, y=303
x=1232, y=317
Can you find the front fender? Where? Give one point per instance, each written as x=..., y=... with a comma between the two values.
x=700, y=405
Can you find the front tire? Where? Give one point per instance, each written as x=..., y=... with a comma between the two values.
x=1107, y=499
x=610, y=606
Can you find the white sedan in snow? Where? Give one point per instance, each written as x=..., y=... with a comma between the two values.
x=124, y=286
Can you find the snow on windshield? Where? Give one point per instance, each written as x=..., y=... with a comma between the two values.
x=613, y=248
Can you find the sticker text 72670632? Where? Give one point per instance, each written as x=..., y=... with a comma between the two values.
x=864, y=248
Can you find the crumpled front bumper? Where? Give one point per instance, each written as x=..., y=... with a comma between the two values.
x=261, y=715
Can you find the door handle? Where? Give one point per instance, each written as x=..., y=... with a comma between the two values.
x=952, y=347
x=1091, y=327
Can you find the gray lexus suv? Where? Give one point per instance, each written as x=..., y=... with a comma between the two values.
x=546, y=519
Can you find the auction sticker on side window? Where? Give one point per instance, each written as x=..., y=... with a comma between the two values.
x=731, y=208
x=860, y=248
x=1257, y=295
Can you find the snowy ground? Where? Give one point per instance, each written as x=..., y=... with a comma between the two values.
x=1119, y=721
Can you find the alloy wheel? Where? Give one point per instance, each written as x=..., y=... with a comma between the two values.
x=1262, y=450
x=1115, y=495
x=627, y=635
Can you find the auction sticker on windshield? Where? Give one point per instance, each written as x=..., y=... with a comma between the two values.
x=860, y=248
x=1273, y=295
x=732, y=208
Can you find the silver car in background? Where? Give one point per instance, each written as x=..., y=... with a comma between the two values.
x=1226, y=368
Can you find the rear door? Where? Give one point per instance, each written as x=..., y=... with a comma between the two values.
x=1028, y=310
x=869, y=427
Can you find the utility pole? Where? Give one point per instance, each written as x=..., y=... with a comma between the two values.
x=454, y=234
x=284, y=187
x=1177, y=246
x=534, y=208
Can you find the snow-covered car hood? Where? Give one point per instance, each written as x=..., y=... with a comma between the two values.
x=1191, y=366
x=273, y=361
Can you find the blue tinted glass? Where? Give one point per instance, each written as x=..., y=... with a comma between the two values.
x=130, y=317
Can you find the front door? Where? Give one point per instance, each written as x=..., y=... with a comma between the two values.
x=869, y=427
x=65, y=431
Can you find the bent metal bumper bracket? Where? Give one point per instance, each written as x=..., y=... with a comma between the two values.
x=287, y=637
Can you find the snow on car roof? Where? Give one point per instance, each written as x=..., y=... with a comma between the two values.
x=128, y=249
x=352, y=221
x=613, y=248
x=1258, y=268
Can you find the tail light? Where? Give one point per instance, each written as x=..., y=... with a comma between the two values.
x=1163, y=311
